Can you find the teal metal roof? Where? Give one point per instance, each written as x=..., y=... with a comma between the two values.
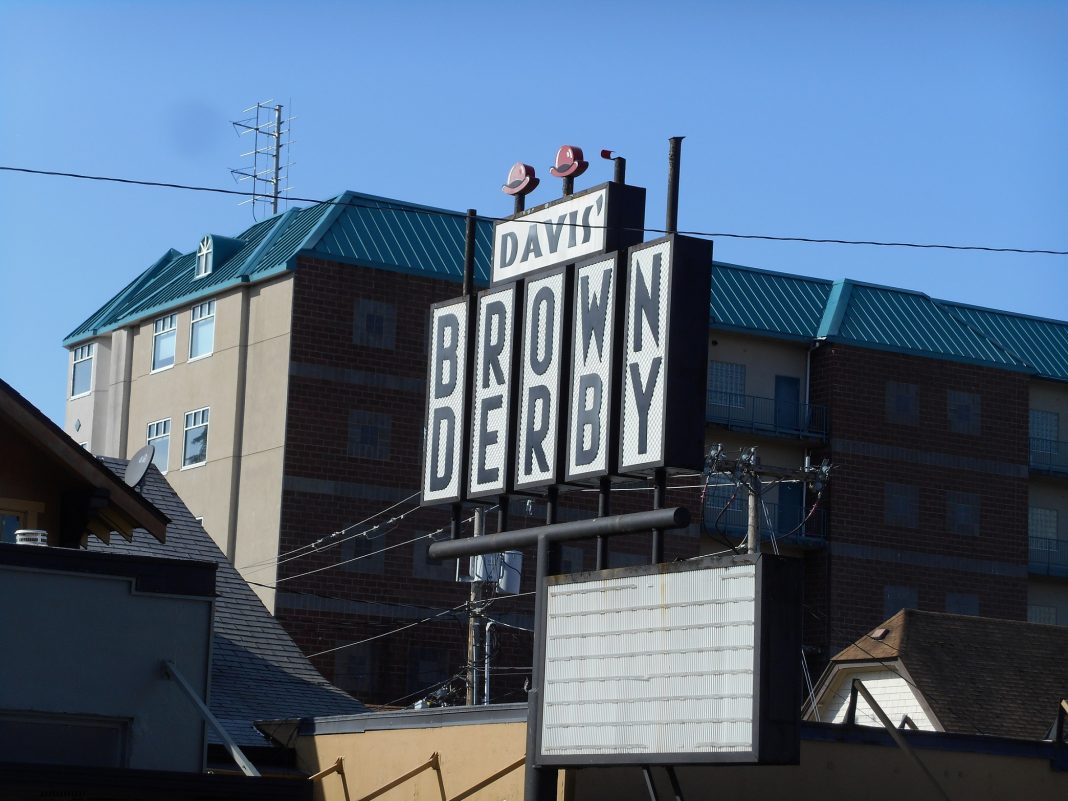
x=421, y=240
x=363, y=229
x=1040, y=344
x=765, y=302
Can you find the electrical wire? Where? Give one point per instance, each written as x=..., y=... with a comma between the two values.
x=341, y=532
x=389, y=633
x=720, y=234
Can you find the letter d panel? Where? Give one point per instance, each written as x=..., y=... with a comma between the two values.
x=444, y=439
x=542, y=364
x=665, y=355
x=492, y=443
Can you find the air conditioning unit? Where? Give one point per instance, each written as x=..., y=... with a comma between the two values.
x=31, y=536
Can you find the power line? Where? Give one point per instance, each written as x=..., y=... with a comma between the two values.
x=424, y=211
x=388, y=633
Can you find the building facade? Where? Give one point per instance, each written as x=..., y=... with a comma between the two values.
x=281, y=375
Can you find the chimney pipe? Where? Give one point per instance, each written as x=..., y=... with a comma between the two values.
x=619, y=174
x=674, y=167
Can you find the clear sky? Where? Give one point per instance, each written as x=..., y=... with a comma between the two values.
x=925, y=122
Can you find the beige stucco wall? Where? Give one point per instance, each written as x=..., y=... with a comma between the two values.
x=91, y=409
x=764, y=359
x=827, y=771
x=467, y=756
x=266, y=394
x=1051, y=396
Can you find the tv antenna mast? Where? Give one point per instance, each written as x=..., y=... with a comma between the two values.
x=267, y=175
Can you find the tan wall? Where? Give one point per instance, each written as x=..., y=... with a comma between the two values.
x=91, y=409
x=828, y=771
x=263, y=453
x=468, y=755
x=1052, y=396
x=764, y=359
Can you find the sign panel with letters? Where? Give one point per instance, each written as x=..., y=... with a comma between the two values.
x=593, y=396
x=444, y=442
x=605, y=218
x=665, y=353
x=542, y=365
x=492, y=454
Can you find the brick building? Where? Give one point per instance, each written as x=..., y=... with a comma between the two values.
x=281, y=375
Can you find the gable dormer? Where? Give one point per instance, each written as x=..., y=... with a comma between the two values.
x=213, y=252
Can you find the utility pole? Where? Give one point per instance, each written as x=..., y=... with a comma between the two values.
x=747, y=472
x=474, y=622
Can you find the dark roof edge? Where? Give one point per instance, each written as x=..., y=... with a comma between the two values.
x=927, y=354
x=413, y=719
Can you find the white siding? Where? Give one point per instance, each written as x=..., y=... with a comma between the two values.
x=891, y=692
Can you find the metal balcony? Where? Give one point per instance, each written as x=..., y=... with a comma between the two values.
x=768, y=416
x=1047, y=556
x=785, y=529
x=1049, y=456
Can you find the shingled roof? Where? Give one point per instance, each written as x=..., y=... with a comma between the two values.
x=258, y=673
x=1000, y=677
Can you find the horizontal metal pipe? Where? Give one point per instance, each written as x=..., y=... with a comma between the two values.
x=674, y=517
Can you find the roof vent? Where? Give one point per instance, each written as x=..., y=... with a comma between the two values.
x=31, y=536
x=878, y=634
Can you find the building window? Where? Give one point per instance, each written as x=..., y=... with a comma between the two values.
x=902, y=505
x=1042, y=614
x=1042, y=528
x=82, y=376
x=202, y=330
x=962, y=603
x=902, y=403
x=159, y=437
x=369, y=434
x=374, y=324
x=203, y=258
x=963, y=411
x=425, y=567
x=897, y=598
x=726, y=384
x=196, y=438
x=962, y=513
x=1045, y=431
x=164, y=331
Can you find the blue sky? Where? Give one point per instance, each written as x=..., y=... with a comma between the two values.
x=925, y=122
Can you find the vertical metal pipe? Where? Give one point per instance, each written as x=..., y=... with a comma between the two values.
x=454, y=525
x=569, y=186
x=603, y=510
x=520, y=204
x=503, y=502
x=469, y=255
x=539, y=783
x=659, y=493
x=277, y=158
x=619, y=174
x=487, y=644
x=754, y=515
x=474, y=628
x=671, y=222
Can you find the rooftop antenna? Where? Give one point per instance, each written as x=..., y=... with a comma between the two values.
x=267, y=175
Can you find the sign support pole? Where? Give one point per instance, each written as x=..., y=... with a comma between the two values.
x=659, y=491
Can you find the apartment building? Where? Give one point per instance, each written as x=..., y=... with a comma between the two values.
x=280, y=374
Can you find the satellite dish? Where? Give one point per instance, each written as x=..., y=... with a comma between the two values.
x=138, y=466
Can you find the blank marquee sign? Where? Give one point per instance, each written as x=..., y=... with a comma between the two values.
x=684, y=662
x=589, y=354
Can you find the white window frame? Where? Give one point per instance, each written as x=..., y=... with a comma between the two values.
x=155, y=431
x=167, y=324
x=82, y=353
x=195, y=419
x=203, y=263
x=201, y=313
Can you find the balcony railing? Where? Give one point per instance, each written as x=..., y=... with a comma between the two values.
x=1047, y=556
x=1049, y=456
x=767, y=416
x=787, y=528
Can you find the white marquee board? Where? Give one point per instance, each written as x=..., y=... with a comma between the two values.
x=444, y=443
